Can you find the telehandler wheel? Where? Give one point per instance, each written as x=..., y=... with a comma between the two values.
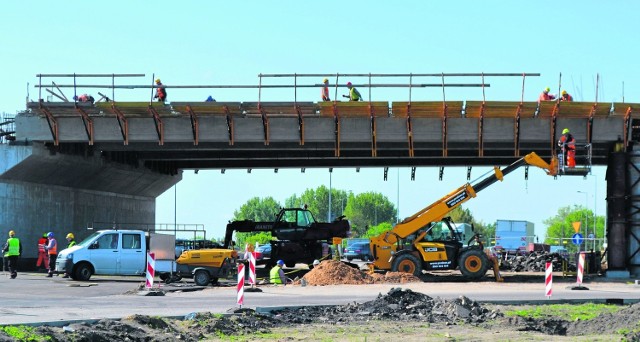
x=202, y=278
x=407, y=263
x=473, y=264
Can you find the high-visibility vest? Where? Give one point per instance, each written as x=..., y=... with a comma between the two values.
x=274, y=275
x=354, y=95
x=71, y=243
x=54, y=248
x=41, y=243
x=14, y=247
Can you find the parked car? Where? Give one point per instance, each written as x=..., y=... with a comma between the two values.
x=358, y=250
x=264, y=251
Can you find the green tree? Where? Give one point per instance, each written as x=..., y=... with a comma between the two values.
x=259, y=210
x=377, y=230
x=560, y=227
x=368, y=209
x=317, y=202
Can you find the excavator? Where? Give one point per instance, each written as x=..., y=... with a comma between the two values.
x=412, y=245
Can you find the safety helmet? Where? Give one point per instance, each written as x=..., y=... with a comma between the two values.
x=325, y=80
x=546, y=90
x=565, y=131
x=50, y=234
x=280, y=262
x=348, y=84
x=157, y=80
x=12, y=233
x=316, y=262
x=70, y=236
x=44, y=235
x=564, y=92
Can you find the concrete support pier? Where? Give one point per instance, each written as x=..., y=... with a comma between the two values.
x=42, y=191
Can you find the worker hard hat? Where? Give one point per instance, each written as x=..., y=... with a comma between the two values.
x=546, y=90
x=44, y=235
x=564, y=92
x=280, y=262
x=50, y=234
x=325, y=80
x=157, y=80
x=70, y=236
x=348, y=84
x=565, y=131
x=12, y=233
x=316, y=262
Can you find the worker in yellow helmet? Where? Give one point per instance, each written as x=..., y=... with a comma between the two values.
x=12, y=250
x=545, y=96
x=325, y=90
x=568, y=145
x=161, y=91
x=566, y=97
x=72, y=242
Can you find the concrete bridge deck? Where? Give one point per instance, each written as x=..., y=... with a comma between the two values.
x=292, y=134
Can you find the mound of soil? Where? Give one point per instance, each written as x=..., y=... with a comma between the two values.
x=331, y=272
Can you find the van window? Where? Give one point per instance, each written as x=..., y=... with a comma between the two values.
x=131, y=241
x=108, y=241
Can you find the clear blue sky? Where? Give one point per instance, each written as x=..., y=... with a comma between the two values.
x=231, y=42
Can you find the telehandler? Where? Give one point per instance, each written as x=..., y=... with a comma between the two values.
x=412, y=247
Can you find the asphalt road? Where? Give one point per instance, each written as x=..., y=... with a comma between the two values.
x=33, y=298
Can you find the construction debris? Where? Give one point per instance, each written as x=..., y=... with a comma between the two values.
x=535, y=262
x=331, y=272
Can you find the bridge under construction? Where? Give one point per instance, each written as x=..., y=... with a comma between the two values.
x=125, y=154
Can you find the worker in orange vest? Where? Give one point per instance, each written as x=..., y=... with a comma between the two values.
x=566, y=97
x=161, y=91
x=325, y=90
x=43, y=259
x=52, y=249
x=568, y=145
x=545, y=96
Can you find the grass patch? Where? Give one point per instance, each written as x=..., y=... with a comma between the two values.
x=24, y=333
x=568, y=312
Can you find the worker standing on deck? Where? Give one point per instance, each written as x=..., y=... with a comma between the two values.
x=12, y=250
x=161, y=91
x=276, y=275
x=545, y=96
x=52, y=250
x=566, y=97
x=354, y=94
x=568, y=145
x=325, y=90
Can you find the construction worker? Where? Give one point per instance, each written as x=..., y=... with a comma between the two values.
x=325, y=90
x=84, y=98
x=545, y=96
x=161, y=91
x=43, y=259
x=354, y=94
x=210, y=99
x=52, y=249
x=72, y=242
x=12, y=250
x=276, y=275
x=566, y=97
x=568, y=145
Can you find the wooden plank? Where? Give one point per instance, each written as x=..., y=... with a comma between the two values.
x=208, y=108
x=496, y=109
x=620, y=108
x=430, y=109
x=546, y=109
x=575, y=109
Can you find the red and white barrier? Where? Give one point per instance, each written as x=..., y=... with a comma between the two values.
x=240, y=287
x=151, y=269
x=580, y=268
x=548, y=280
x=252, y=268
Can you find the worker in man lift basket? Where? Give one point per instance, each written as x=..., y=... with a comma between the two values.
x=568, y=145
x=276, y=275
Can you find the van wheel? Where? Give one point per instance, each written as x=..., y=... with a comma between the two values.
x=202, y=278
x=83, y=272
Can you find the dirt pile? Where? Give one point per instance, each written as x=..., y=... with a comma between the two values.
x=397, y=305
x=331, y=272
